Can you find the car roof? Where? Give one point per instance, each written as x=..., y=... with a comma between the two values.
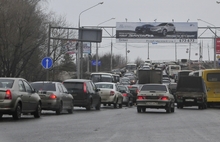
x=105, y=83
x=76, y=80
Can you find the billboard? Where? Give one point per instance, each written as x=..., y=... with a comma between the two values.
x=217, y=40
x=156, y=32
x=70, y=47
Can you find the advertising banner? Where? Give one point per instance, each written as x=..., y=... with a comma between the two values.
x=217, y=40
x=156, y=32
x=71, y=46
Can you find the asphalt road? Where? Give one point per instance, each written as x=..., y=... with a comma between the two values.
x=115, y=125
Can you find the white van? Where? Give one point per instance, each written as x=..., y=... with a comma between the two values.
x=172, y=70
x=101, y=77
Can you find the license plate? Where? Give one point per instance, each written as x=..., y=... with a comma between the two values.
x=151, y=103
x=189, y=100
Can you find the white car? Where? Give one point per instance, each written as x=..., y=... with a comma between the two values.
x=155, y=96
x=163, y=29
x=110, y=94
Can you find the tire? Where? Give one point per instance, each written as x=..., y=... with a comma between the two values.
x=88, y=107
x=138, y=109
x=97, y=107
x=168, y=109
x=143, y=109
x=17, y=113
x=173, y=108
x=115, y=104
x=120, y=105
x=37, y=112
x=70, y=111
x=109, y=104
x=164, y=32
x=59, y=110
x=205, y=106
x=104, y=104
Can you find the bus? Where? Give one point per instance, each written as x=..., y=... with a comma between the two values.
x=102, y=77
x=172, y=70
x=131, y=67
x=211, y=78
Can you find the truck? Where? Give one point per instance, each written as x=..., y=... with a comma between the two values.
x=150, y=76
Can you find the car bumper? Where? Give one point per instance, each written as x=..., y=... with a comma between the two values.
x=110, y=99
x=81, y=103
x=189, y=102
x=50, y=104
x=152, y=104
x=6, y=106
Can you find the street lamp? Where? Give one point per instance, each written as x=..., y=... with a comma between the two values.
x=80, y=50
x=215, y=33
x=97, y=47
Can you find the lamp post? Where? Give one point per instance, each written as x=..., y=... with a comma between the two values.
x=97, y=46
x=215, y=33
x=126, y=53
x=80, y=50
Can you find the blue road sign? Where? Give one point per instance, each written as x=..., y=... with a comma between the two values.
x=94, y=63
x=47, y=62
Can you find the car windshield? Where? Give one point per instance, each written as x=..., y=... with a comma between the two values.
x=6, y=83
x=162, y=24
x=122, y=88
x=44, y=86
x=153, y=88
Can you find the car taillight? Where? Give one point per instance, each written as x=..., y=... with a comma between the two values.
x=164, y=98
x=129, y=86
x=125, y=94
x=112, y=93
x=140, y=97
x=52, y=96
x=84, y=88
x=8, y=94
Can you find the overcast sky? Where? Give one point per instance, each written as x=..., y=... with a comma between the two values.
x=143, y=11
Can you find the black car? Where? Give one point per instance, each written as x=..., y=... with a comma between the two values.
x=84, y=92
x=144, y=29
x=134, y=89
x=191, y=91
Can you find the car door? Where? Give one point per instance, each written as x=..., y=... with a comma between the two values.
x=24, y=96
x=32, y=97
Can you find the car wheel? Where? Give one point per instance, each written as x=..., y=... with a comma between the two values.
x=109, y=104
x=104, y=104
x=168, y=109
x=143, y=109
x=173, y=108
x=70, y=111
x=205, y=105
x=97, y=107
x=138, y=109
x=164, y=32
x=17, y=113
x=88, y=107
x=120, y=105
x=59, y=110
x=115, y=104
x=37, y=112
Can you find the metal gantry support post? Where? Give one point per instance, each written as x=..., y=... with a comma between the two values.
x=48, y=49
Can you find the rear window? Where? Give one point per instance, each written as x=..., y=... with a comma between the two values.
x=73, y=86
x=122, y=88
x=6, y=83
x=213, y=77
x=44, y=86
x=153, y=88
x=109, y=86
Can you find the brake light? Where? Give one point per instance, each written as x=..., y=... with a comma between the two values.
x=140, y=97
x=129, y=86
x=164, y=98
x=52, y=96
x=112, y=93
x=8, y=94
x=125, y=94
x=84, y=88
